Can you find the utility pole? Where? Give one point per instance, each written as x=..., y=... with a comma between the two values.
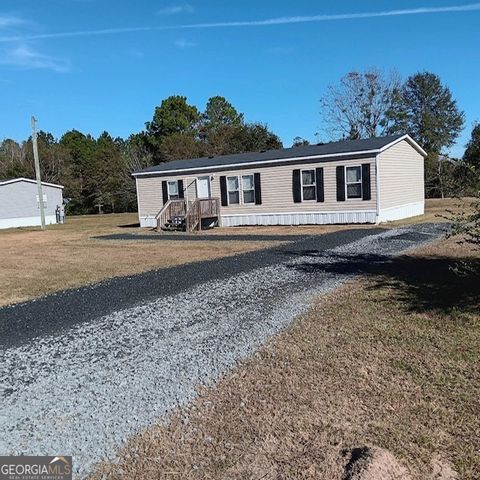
x=37, y=172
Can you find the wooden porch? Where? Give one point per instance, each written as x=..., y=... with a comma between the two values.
x=180, y=214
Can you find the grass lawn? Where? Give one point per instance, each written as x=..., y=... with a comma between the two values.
x=388, y=362
x=35, y=263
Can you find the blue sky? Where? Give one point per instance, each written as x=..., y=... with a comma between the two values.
x=99, y=65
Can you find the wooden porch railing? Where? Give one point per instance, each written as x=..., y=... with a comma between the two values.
x=199, y=209
x=173, y=208
x=192, y=212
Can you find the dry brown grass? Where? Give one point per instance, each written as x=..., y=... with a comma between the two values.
x=35, y=263
x=389, y=361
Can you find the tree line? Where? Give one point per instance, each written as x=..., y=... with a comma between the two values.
x=371, y=103
x=97, y=171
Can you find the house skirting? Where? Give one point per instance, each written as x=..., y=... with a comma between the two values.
x=402, y=211
x=302, y=218
x=148, y=221
x=26, y=221
x=309, y=218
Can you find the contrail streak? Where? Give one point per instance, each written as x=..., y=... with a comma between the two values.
x=250, y=23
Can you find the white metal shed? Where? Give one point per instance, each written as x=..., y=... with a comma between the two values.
x=20, y=206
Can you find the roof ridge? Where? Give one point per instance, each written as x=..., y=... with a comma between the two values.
x=338, y=148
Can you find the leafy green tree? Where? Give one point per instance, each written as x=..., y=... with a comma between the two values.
x=219, y=112
x=12, y=160
x=81, y=149
x=135, y=156
x=250, y=137
x=173, y=116
x=178, y=146
x=106, y=178
x=54, y=158
x=430, y=114
x=256, y=137
x=472, y=152
x=300, y=142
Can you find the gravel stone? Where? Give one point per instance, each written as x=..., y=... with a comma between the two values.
x=85, y=389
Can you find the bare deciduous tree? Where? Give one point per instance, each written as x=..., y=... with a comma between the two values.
x=362, y=105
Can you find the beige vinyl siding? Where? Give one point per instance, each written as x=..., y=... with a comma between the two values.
x=276, y=186
x=401, y=176
x=150, y=199
x=190, y=184
x=277, y=197
x=150, y=196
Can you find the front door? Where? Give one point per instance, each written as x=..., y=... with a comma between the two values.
x=203, y=187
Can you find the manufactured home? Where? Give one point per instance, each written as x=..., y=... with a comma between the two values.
x=20, y=205
x=353, y=181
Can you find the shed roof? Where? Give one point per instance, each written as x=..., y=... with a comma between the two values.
x=7, y=181
x=333, y=149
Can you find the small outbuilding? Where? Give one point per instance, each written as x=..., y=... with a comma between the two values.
x=354, y=181
x=20, y=205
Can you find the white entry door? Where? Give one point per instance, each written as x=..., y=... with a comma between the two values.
x=203, y=187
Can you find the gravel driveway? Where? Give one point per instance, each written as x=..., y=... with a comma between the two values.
x=80, y=382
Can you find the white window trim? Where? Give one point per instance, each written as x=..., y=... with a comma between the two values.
x=168, y=190
x=248, y=190
x=314, y=184
x=238, y=190
x=353, y=183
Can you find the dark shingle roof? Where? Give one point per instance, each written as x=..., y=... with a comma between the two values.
x=345, y=146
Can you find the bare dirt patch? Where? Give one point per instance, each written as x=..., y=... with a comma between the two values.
x=388, y=363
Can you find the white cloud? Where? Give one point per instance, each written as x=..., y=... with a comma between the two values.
x=22, y=56
x=341, y=16
x=248, y=23
x=184, y=44
x=10, y=21
x=176, y=9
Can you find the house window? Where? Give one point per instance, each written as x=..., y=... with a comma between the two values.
x=233, y=189
x=354, y=182
x=173, y=190
x=44, y=201
x=248, y=189
x=308, y=185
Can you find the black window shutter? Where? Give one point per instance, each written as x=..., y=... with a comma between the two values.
x=180, y=189
x=320, y=188
x=164, y=191
x=258, y=188
x=340, y=184
x=366, y=188
x=223, y=191
x=296, y=187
